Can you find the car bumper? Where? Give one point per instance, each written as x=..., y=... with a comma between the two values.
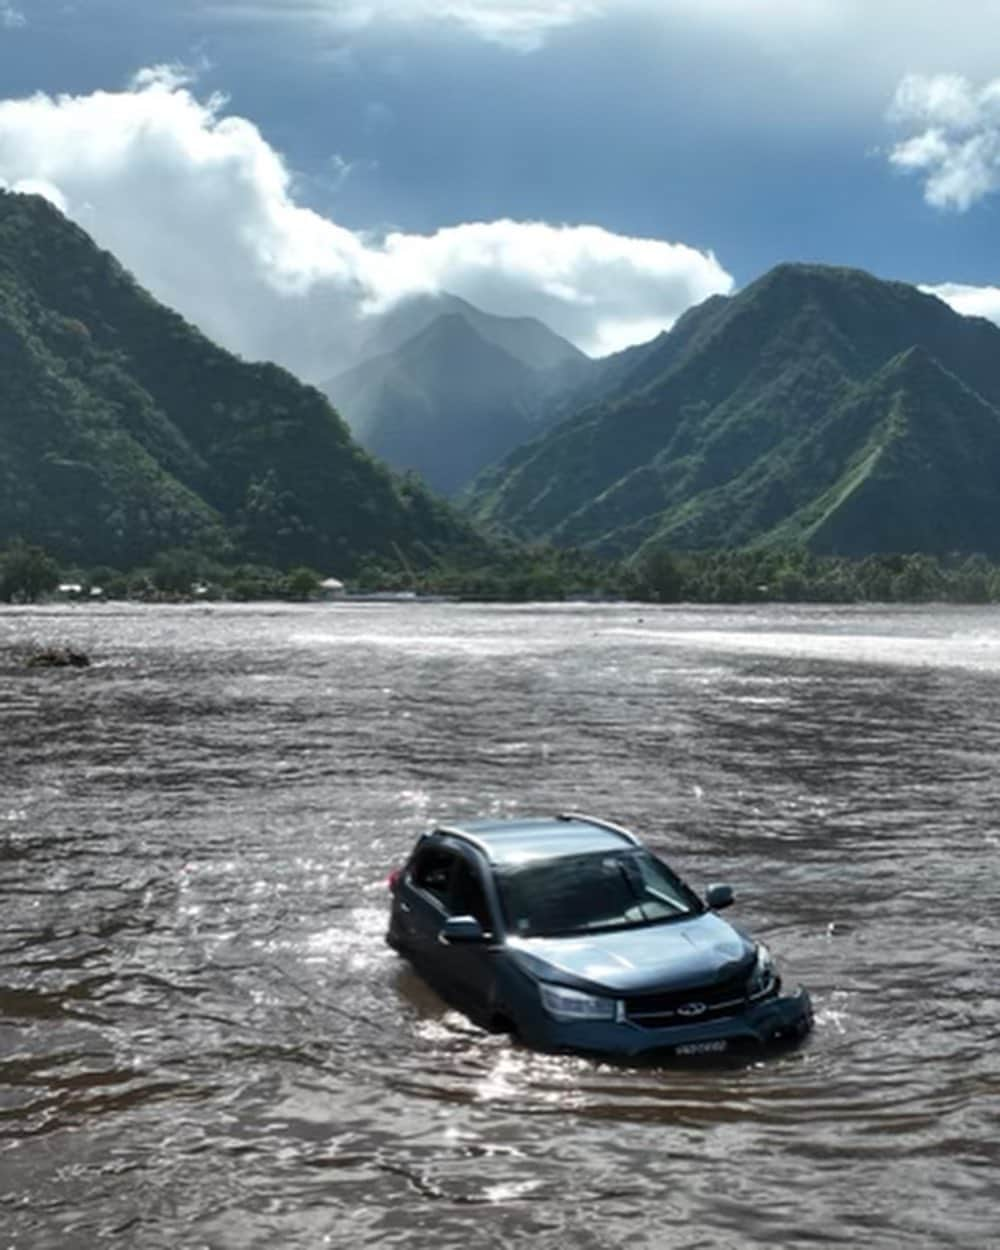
x=787, y=1017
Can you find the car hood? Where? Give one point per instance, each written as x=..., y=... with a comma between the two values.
x=679, y=953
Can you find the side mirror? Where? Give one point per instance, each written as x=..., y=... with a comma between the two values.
x=461, y=929
x=718, y=896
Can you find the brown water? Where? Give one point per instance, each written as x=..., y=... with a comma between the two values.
x=205, y=1043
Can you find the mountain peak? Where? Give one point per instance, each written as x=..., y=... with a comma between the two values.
x=799, y=280
x=448, y=401
x=525, y=338
x=124, y=431
x=757, y=416
x=452, y=331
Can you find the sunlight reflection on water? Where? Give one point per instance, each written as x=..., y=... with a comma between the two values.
x=205, y=1041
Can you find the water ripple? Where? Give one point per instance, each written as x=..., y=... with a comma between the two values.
x=204, y=1040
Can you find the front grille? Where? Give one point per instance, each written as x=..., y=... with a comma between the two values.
x=661, y=1009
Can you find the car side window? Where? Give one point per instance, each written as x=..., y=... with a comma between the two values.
x=432, y=872
x=468, y=897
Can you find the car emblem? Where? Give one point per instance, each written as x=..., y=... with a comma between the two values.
x=692, y=1009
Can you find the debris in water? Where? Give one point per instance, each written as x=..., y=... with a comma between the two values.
x=58, y=657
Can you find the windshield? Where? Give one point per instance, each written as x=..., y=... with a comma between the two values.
x=590, y=893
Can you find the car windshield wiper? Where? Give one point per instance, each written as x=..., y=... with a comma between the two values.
x=589, y=930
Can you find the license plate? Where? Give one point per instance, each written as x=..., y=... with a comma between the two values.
x=702, y=1048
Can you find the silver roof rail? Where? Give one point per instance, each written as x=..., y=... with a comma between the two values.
x=454, y=832
x=603, y=824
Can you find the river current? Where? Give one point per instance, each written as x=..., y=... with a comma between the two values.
x=204, y=1041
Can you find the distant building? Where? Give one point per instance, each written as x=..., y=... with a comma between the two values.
x=331, y=588
x=76, y=590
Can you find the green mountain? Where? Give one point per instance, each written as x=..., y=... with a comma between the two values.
x=124, y=431
x=819, y=406
x=525, y=338
x=459, y=393
x=924, y=472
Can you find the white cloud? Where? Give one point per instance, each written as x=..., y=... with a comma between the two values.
x=11, y=18
x=957, y=145
x=519, y=24
x=169, y=74
x=971, y=301
x=601, y=290
x=201, y=208
x=843, y=48
x=39, y=186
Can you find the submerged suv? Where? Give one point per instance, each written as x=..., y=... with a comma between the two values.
x=570, y=934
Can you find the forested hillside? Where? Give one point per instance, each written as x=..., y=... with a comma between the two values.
x=124, y=431
x=820, y=407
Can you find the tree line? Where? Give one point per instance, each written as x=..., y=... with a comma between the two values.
x=531, y=573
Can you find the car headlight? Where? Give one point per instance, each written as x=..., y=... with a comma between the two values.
x=764, y=975
x=566, y=1004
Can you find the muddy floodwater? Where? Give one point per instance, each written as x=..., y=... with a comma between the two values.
x=204, y=1041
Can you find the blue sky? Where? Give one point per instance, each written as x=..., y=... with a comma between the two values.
x=280, y=170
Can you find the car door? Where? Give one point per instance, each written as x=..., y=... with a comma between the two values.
x=445, y=882
x=425, y=905
x=471, y=965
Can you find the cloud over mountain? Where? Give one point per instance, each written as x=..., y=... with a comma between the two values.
x=970, y=301
x=956, y=147
x=203, y=209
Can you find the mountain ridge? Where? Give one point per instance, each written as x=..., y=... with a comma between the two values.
x=527, y=338
x=705, y=442
x=458, y=394
x=124, y=430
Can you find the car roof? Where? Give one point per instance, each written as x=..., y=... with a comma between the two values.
x=541, y=837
